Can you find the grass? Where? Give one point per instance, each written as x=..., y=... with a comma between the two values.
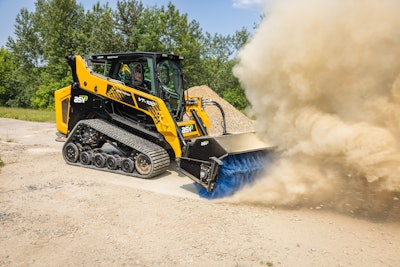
x=28, y=114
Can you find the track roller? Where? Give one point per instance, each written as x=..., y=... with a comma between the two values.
x=127, y=165
x=85, y=157
x=99, y=160
x=112, y=162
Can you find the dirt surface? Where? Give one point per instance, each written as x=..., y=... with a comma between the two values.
x=53, y=214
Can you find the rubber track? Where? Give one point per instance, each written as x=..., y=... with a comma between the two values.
x=158, y=155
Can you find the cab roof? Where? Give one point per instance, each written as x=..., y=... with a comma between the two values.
x=133, y=55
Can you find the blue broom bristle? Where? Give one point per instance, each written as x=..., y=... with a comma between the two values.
x=236, y=172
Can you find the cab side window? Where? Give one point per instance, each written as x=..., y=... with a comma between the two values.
x=136, y=74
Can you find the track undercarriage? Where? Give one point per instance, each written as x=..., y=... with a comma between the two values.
x=98, y=144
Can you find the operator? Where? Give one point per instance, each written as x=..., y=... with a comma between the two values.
x=138, y=77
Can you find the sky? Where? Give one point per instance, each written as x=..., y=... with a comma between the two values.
x=214, y=16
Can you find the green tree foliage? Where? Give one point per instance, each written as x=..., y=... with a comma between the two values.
x=33, y=65
x=43, y=96
x=99, y=29
x=60, y=24
x=26, y=47
x=26, y=56
x=162, y=29
x=180, y=36
x=217, y=63
x=127, y=18
x=6, y=68
x=233, y=92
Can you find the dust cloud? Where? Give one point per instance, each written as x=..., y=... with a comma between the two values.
x=322, y=77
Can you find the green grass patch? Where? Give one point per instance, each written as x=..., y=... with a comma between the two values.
x=28, y=114
x=1, y=163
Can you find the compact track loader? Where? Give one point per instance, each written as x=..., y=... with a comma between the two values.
x=124, y=113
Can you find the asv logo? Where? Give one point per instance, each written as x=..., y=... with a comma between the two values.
x=187, y=129
x=81, y=99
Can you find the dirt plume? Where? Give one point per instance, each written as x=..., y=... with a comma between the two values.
x=323, y=81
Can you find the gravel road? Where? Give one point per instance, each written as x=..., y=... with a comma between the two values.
x=53, y=214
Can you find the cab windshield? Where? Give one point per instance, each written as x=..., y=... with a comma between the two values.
x=171, y=84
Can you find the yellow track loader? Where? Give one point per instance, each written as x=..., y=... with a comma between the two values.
x=123, y=113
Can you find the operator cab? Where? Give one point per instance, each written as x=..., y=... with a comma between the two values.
x=154, y=73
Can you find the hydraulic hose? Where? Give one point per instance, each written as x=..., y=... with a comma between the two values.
x=208, y=102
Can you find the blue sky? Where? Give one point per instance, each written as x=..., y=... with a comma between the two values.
x=214, y=16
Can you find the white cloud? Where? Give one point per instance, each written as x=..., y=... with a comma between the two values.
x=248, y=4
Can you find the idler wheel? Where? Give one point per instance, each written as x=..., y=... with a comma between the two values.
x=143, y=164
x=71, y=152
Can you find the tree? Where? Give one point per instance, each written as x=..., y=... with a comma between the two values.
x=181, y=37
x=43, y=97
x=233, y=92
x=26, y=59
x=6, y=67
x=214, y=58
x=34, y=66
x=60, y=24
x=240, y=38
x=127, y=17
x=167, y=30
x=217, y=63
x=100, y=28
